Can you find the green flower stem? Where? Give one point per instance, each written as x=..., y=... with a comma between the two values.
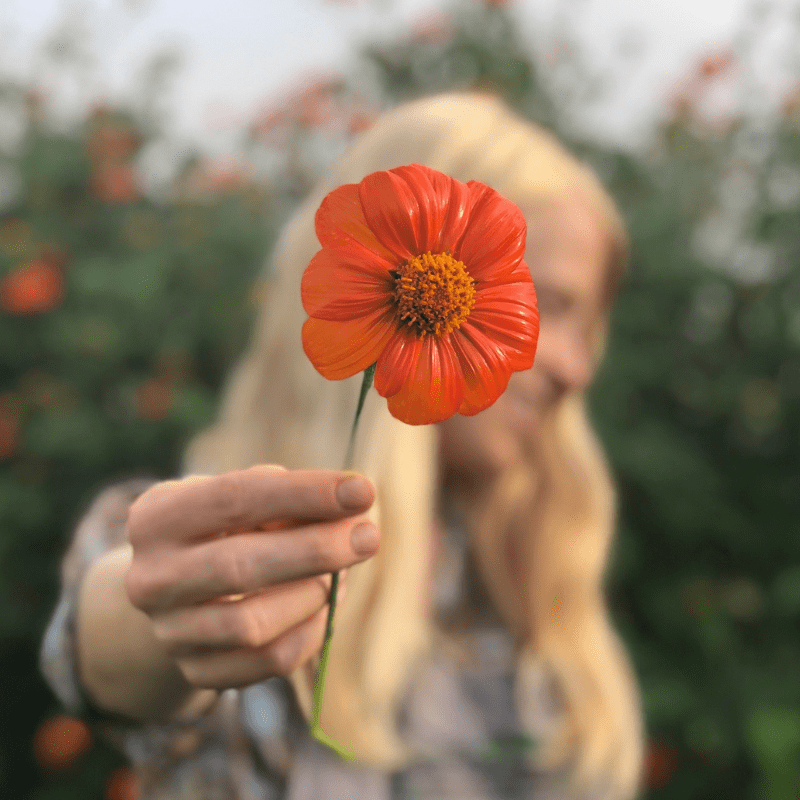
x=322, y=672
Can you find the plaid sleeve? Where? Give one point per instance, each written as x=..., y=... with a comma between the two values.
x=101, y=529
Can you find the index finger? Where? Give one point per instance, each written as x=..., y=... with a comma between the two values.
x=200, y=506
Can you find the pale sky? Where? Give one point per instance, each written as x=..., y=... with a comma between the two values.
x=237, y=54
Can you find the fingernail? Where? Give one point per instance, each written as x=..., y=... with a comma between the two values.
x=364, y=539
x=355, y=492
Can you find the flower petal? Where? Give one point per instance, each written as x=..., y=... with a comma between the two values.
x=520, y=274
x=485, y=368
x=435, y=388
x=444, y=205
x=392, y=213
x=494, y=241
x=508, y=314
x=341, y=348
x=340, y=222
x=397, y=361
x=345, y=283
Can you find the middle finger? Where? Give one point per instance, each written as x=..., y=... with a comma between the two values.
x=250, y=562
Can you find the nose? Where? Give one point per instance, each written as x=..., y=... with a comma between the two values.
x=562, y=355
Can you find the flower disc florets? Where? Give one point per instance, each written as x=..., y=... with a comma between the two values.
x=434, y=293
x=423, y=276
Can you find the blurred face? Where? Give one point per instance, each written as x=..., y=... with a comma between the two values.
x=567, y=252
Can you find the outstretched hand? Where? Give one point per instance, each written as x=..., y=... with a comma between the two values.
x=234, y=571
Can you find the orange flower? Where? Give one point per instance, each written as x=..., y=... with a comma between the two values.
x=660, y=763
x=122, y=785
x=423, y=276
x=155, y=399
x=434, y=28
x=60, y=741
x=113, y=142
x=9, y=428
x=115, y=183
x=716, y=65
x=12, y=411
x=32, y=288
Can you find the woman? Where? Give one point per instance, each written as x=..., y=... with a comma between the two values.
x=473, y=656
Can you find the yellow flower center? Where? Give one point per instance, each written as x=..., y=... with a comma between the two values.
x=434, y=293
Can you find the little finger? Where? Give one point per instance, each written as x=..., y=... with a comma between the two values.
x=237, y=668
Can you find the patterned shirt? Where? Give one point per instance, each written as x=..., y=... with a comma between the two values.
x=254, y=744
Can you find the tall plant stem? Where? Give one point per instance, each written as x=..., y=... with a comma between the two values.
x=322, y=672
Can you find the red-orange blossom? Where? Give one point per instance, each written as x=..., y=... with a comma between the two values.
x=423, y=276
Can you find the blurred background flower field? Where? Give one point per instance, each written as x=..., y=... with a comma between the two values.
x=124, y=300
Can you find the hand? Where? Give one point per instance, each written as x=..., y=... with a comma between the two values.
x=234, y=570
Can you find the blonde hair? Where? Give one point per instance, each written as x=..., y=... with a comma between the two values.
x=278, y=409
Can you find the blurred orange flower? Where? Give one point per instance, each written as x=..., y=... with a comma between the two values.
x=360, y=121
x=791, y=103
x=8, y=436
x=60, y=741
x=434, y=28
x=715, y=65
x=113, y=142
x=313, y=104
x=12, y=410
x=215, y=176
x=155, y=398
x=660, y=763
x=32, y=288
x=423, y=276
x=122, y=785
x=115, y=183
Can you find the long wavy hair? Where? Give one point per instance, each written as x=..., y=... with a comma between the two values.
x=558, y=512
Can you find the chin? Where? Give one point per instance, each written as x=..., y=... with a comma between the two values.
x=522, y=419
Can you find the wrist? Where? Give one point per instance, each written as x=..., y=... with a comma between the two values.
x=122, y=667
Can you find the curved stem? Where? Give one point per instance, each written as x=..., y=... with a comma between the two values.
x=319, y=687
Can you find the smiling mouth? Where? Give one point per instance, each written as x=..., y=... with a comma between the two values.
x=535, y=401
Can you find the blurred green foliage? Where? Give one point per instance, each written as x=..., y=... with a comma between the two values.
x=120, y=314
x=121, y=311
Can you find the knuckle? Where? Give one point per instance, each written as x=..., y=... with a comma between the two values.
x=174, y=630
x=203, y=626
x=286, y=654
x=292, y=650
x=238, y=570
x=231, y=499
x=321, y=548
x=137, y=587
x=169, y=643
x=194, y=673
x=134, y=527
x=146, y=584
x=316, y=591
x=143, y=507
x=247, y=629
x=322, y=585
x=204, y=673
x=162, y=632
